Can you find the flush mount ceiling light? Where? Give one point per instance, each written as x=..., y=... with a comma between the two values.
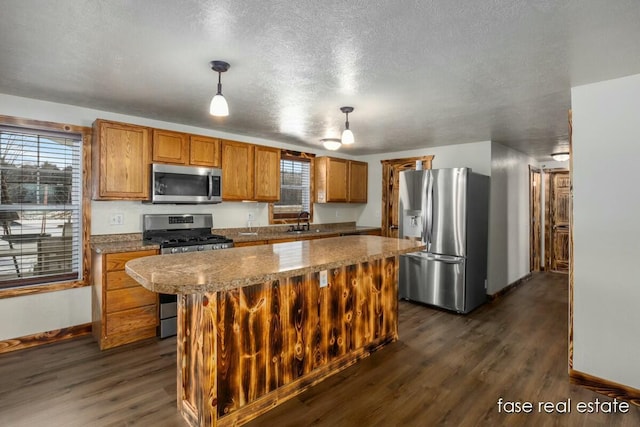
x=347, y=135
x=331, y=143
x=219, y=105
x=561, y=157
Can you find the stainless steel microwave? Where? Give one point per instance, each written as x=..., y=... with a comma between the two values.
x=185, y=184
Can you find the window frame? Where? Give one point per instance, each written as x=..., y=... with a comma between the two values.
x=297, y=156
x=85, y=134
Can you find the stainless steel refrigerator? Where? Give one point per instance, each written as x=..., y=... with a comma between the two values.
x=448, y=210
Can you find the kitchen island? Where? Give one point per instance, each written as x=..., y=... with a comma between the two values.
x=258, y=325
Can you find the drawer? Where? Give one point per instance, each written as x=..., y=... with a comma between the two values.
x=129, y=320
x=124, y=299
x=118, y=260
x=119, y=280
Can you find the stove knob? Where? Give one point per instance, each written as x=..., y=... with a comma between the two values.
x=201, y=247
x=174, y=250
x=185, y=249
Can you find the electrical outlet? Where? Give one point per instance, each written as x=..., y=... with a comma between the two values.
x=116, y=219
x=324, y=280
x=337, y=213
x=250, y=216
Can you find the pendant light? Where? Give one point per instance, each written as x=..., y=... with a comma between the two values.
x=219, y=105
x=561, y=157
x=347, y=135
x=331, y=143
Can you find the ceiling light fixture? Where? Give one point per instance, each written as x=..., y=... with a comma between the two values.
x=219, y=105
x=331, y=143
x=561, y=157
x=347, y=135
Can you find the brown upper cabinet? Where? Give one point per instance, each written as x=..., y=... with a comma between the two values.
x=170, y=147
x=121, y=157
x=340, y=180
x=204, y=151
x=358, y=177
x=267, y=173
x=179, y=148
x=250, y=172
x=331, y=179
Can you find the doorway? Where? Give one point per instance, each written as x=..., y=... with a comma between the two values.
x=535, y=219
x=390, y=186
x=549, y=245
x=557, y=219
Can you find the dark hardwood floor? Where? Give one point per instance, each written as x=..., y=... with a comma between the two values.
x=446, y=369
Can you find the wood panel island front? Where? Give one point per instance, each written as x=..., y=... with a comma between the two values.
x=258, y=325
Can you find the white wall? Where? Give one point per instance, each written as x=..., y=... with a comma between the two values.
x=508, y=217
x=31, y=314
x=476, y=155
x=606, y=208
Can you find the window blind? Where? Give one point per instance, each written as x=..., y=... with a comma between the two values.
x=295, y=194
x=40, y=207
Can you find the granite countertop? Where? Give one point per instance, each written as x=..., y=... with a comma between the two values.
x=124, y=246
x=244, y=236
x=214, y=271
x=114, y=243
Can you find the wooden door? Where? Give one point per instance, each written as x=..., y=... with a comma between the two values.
x=559, y=215
x=535, y=214
x=267, y=174
x=204, y=151
x=237, y=171
x=170, y=147
x=391, y=185
x=358, y=177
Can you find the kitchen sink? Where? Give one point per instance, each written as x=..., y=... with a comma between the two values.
x=302, y=231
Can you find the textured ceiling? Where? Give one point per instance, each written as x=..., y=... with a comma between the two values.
x=419, y=73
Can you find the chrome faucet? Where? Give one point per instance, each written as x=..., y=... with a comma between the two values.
x=306, y=215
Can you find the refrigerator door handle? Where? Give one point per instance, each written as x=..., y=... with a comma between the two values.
x=423, y=206
x=429, y=209
x=417, y=255
x=447, y=259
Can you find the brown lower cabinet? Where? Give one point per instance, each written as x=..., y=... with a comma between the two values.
x=122, y=310
x=250, y=243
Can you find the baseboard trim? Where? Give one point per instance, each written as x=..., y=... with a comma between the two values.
x=510, y=287
x=43, y=338
x=606, y=387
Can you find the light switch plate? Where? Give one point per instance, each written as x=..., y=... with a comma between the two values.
x=116, y=219
x=324, y=281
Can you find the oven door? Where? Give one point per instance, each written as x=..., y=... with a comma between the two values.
x=168, y=315
x=185, y=184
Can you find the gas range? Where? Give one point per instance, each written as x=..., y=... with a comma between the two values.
x=182, y=233
x=177, y=234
